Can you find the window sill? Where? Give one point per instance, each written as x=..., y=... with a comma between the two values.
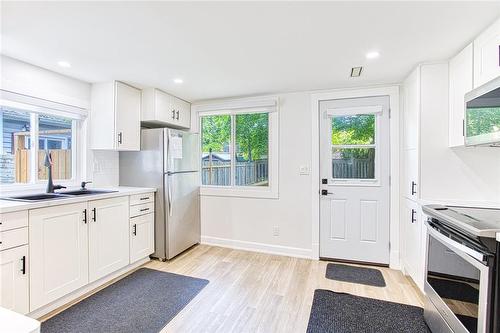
x=237, y=192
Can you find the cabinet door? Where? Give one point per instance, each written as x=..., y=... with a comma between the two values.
x=411, y=166
x=164, y=111
x=14, y=279
x=108, y=236
x=411, y=110
x=127, y=117
x=184, y=109
x=460, y=83
x=486, y=55
x=141, y=237
x=412, y=240
x=58, y=252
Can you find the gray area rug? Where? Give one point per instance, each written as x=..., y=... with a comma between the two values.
x=144, y=301
x=354, y=274
x=343, y=313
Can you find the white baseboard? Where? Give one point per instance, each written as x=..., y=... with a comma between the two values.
x=258, y=247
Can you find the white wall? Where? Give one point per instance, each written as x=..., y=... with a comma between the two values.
x=247, y=222
x=26, y=79
x=468, y=175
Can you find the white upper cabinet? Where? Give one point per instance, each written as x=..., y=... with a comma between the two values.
x=115, y=117
x=160, y=109
x=411, y=110
x=460, y=83
x=487, y=55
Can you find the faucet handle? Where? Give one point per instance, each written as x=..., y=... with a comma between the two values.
x=84, y=183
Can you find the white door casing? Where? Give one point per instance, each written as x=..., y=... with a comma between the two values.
x=354, y=218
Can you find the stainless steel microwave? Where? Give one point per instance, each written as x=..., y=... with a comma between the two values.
x=482, y=115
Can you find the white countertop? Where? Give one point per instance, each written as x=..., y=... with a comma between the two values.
x=7, y=206
x=14, y=322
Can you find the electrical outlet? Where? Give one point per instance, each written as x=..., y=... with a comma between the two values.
x=276, y=230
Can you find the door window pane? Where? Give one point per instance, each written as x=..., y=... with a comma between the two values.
x=55, y=135
x=353, y=130
x=252, y=149
x=353, y=163
x=216, y=156
x=15, y=146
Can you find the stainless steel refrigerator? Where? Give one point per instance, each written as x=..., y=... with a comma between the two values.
x=168, y=161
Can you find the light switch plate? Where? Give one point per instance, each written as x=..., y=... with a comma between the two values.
x=304, y=170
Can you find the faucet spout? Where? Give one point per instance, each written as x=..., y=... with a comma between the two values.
x=48, y=164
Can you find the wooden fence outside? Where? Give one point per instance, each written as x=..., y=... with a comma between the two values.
x=61, y=166
x=353, y=168
x=247, y=173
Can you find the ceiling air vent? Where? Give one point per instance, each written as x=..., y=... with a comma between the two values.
x=356, y=71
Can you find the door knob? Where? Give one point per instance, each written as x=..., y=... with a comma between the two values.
x=325, y=192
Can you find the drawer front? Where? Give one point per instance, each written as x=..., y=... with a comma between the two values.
x=13, y=220
x=13, y=238
x=143, y=198
x=146, y=208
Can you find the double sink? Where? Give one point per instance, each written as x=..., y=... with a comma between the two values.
x=55, y=196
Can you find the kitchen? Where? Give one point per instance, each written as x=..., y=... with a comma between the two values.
x=237, y=189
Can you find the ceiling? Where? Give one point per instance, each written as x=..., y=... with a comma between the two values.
x=223, y=49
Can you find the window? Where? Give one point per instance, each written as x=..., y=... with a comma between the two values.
x=238, y=151
x=353, y=147
x=22, y=161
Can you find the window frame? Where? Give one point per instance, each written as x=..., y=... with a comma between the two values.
x=234, y=108
x=357, y=181
x=34, y=107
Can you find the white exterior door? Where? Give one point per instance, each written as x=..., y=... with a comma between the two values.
x=354, y=170
x=14, y=279
x=58, y=252
x=108, y=236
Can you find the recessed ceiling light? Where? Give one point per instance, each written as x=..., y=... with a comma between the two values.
x=178, y=81
x=372, y=55
x=64, y=64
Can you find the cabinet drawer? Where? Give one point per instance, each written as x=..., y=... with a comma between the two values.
x=143, y=198
x=142, y=209
x=13, y=220
x=13, y=238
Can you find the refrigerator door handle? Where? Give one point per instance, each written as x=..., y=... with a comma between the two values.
x=169, y=196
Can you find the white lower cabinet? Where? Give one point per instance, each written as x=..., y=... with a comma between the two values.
x=108, y=236
x=141, y=236
x=58, y=241
x=14, y=280
x=413, y=241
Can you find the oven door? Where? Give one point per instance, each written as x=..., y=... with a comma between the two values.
x=457, y=284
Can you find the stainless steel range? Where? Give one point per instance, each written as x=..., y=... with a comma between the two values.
x=462, y=279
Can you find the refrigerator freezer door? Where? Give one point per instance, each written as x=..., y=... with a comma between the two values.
x=182, y=151
x=182, y=202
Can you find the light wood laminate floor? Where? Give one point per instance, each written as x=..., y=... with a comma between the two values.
x=258, y=292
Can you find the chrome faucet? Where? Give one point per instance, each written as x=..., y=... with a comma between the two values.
x=50, y=184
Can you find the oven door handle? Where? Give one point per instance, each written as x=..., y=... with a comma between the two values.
x=481, y=257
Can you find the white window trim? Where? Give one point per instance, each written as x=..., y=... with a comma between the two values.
x=375, y=110
x=39, y=106
x=248, y=105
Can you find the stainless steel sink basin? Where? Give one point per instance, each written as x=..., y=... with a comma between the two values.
x=37, y=197
x=55, y=196
x=86, y=192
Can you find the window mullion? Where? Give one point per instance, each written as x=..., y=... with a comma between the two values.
x=232, y=149
x=34, y=148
